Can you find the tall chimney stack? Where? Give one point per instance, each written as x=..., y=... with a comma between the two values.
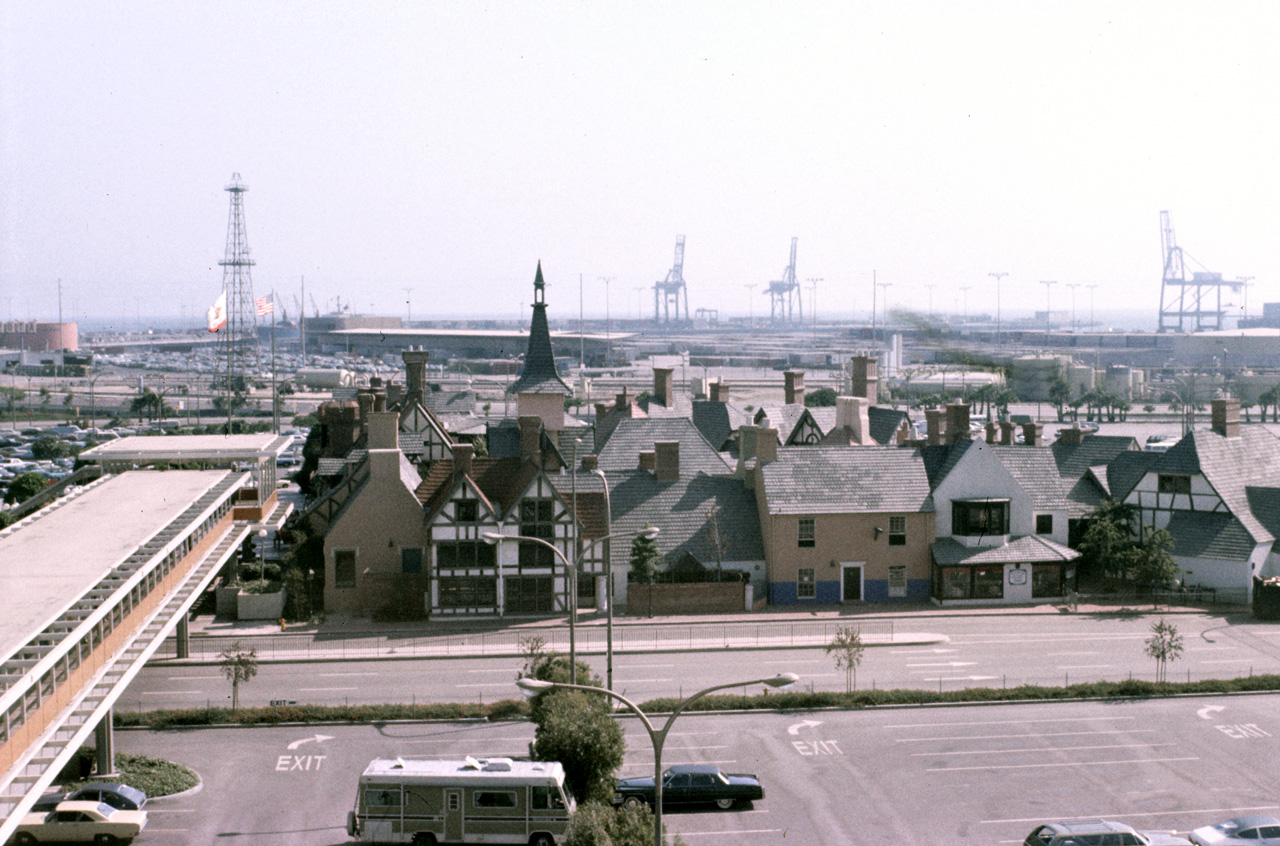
x=1224, y=416
x=664, y=386
x=793, y=387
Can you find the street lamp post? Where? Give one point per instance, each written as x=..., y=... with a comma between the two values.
x=656, y=736
x=1048, y=289
x=1092, y=325
x=998, y=276
x=1073, y=286
x=572, y=570
x=884, y=289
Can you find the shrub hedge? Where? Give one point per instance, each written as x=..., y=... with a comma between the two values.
x=508, y=709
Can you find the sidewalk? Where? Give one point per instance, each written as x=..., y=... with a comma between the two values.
x=342, y=638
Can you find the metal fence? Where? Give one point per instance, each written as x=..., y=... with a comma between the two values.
x=590, y=639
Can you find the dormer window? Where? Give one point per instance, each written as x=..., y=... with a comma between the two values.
x=466, y=511
x=979, y=517
x=1173, y=483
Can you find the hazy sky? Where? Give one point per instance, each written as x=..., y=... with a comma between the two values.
x=448, y=147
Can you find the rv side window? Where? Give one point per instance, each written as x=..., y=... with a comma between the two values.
x=382, y=798
x=546, y=798
x=494, y=799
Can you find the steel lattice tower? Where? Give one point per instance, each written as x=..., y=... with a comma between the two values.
x=237, y=282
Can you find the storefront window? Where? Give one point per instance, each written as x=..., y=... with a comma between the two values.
x=988, y=582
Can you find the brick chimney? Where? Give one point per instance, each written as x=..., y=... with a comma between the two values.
x=993, y=432
x=602, y=408
x=862, y=378
x=1073, y=436
x=365, y=399
x=531, y=438
x=933, y=426
x=851, y=414
x=394, y=393
x=1224, y=416
x=415, y=373
x=793, y=387
x=718, y=391
x=667, y=457
x=648, y=459
x=1033, y=434
x=766, y=445
x=621, y=401
x=590, y=462
x=664, y=386
x=462, y=455
x=1007, y=431
x=957, y=421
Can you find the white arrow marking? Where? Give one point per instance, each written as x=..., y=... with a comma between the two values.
x=319, y=738
x=1207, y=712
x=946, y=664
x=795, y=729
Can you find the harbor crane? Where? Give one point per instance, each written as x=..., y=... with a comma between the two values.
x=1188, y=304
x=672, y=291
x=785, y=305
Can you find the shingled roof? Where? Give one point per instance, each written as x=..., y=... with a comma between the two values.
x=1074, y=462
x=1230, y=465
x=1028, y=549
x=539, y=375
x=681, y=510
x=837, y=480
x=638, y=434
x=717, y=421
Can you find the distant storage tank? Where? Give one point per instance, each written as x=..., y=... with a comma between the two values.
x=326, y=377
x=1082, y=378
x=1034, y=375
x=39, y=337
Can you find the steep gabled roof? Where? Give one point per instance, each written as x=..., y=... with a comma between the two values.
x=681, y=511
x=635, y=435
x=500, y=482
x=1209, y=534
x=718, y=421
x=1075, y=461
x=1036, y=472
x=539, y=375
x=1028, y=549
x=1230, y=465
x=1127, y=469
x=839, y=480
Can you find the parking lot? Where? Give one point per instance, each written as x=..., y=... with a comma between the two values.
x=903, y=776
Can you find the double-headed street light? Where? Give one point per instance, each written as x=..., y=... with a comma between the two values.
x=572, y=570
x=658, y=737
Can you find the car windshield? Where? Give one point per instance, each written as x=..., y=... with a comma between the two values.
x=105, y=809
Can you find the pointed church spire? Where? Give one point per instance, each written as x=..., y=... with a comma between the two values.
x=539, y=376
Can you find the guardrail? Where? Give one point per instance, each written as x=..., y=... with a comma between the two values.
x=590, y=639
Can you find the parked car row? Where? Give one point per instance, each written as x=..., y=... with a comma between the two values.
x=1241, y=831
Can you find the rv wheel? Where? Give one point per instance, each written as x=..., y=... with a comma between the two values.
x=424, y=838
x=542, y=840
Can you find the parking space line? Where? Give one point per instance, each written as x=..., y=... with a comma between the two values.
x=457, y=740
x=722, y=833
x=1014, y=722
x=193, y=678
x=1067, y=654
x=342, y=675
x=952, y=738
x=171, y=692
x=486, y=684
x=1065, y=764
x=1111, y=815
x=1084, y=667
x=1045, y=749
x=324, y=689
x=1228, y=661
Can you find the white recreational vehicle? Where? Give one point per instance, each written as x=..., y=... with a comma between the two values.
x=487, y=800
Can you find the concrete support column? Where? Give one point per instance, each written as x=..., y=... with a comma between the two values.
x=104, y=735
x=183, y=637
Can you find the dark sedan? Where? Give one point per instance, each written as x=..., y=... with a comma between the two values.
x=691, y=784
x=119, y=796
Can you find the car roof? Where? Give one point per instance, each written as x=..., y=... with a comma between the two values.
x=695, y=768
x=1249, y=822
x=79, y=805
x=114, y=786
x=1087, y=826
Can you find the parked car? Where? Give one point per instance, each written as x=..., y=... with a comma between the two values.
x=1099, y=833
x=691, y=784
x=80, y=822
x=119, y=796
x=1251, y=831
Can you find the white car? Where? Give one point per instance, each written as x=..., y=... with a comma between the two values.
x=80, y=822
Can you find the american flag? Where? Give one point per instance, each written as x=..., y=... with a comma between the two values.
x=264, y=306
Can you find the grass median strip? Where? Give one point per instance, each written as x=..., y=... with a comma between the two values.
x=798, y=701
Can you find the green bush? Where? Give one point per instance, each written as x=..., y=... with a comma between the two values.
x=585, y=738
x=169, y=718
x=152, y=776
x=261, y=586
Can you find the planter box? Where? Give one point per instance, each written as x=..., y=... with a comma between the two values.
x=686, y=598
x=226, y=600
x=259, y=606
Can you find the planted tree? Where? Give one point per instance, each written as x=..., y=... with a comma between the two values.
x=847, y=648
x=239, y=665
x=575, y=729
x=1108, y=539
x=597, y=824
x=24, y=486
x=1151, y=561
x=1164, y=645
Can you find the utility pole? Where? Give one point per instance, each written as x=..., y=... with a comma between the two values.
x=1092, y=325
x=1073, y=286
x=1048, y=287
x=998, y=276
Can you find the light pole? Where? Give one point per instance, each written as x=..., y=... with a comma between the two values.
x=1048, y=288
x=1092, y=325
x=751, y=308
x=572, y=570
x=1073, y=286
x=608, y=581
x=607, y=340
x=656, y=736
x=884, y=286
x=998, y=276
x=813, y=289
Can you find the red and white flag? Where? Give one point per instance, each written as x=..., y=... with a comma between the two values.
x=217, y=314
x=264, y=305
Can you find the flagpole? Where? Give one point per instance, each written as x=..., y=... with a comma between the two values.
x=275, y=384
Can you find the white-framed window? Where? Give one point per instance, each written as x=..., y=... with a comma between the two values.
x=806, y=583
x=806, y=533
x=898, y=531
